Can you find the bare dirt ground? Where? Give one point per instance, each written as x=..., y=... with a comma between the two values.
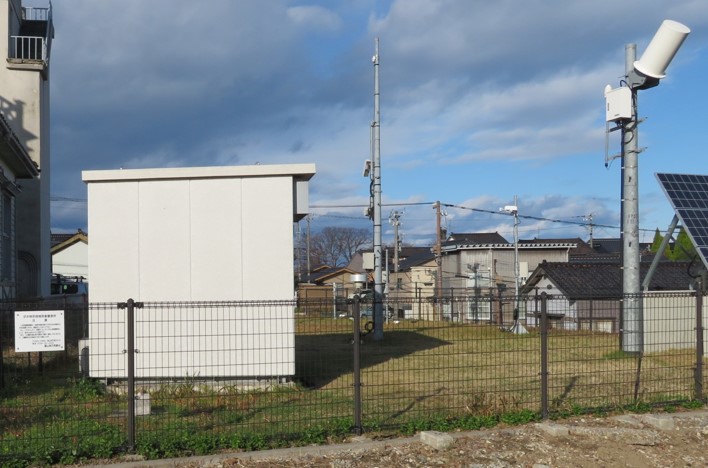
x=664, y=440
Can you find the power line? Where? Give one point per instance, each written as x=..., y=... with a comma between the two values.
x=68, y=199
x=366, y=206
x=583, y=223
x=539, y=218
x=479, y=210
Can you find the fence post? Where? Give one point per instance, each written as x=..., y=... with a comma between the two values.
x=2, y=345
x=699, y=344
x=357, y=365
x=130, y=305
x=492, y=318
x=544, y=355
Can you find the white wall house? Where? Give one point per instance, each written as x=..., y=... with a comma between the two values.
x=195, y=234
x=24, y=151
x=70, y=256
x=24, y=103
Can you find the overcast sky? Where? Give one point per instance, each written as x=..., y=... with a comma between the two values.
x=480, y=101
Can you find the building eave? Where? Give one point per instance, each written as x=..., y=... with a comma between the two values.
x=14, y=153
x=544, y=246
x=76, y=238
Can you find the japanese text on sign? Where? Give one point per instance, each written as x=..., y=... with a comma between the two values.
x=40, y=330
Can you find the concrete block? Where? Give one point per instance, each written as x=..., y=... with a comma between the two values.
x=628, y=419
x=437, y=440
x=142, y=404
x=645, y=437
x=554, y=430
x=663, y=423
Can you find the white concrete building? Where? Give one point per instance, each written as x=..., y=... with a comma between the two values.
x=24, y=107
x=195, y=234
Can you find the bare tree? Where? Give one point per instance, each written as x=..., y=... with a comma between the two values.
x=335, y=246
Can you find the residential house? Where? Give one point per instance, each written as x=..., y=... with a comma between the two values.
x=586, y=296
x=70, y=255
x=24, y=151
x=606, y=250
x=482, y=266
x=319, y=291
x=411, y=290
x=16, y=167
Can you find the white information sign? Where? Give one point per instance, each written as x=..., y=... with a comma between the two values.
x=39, y=330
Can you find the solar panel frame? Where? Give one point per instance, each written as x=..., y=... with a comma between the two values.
x=688, y=195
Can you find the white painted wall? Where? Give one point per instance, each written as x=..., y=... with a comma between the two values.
x=195, y=234
x=670, y=321
x=72, y=261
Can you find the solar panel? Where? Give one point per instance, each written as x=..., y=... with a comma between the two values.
x=688, y=195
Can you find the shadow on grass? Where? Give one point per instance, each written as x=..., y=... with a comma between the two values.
x=321, y=359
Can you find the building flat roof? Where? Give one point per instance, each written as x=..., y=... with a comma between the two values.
x=298, y=171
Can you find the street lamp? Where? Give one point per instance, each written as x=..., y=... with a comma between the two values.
x=621, y=108
x=513, y=210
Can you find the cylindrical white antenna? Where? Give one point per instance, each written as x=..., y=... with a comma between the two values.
x=662, y=48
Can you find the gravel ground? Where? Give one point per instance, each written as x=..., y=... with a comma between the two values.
x=666, y=440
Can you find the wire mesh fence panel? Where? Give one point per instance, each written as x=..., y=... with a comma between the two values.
x=257, y=374
x=669, y=346
x=51, y=411
x=433, y=370
x=590, y=368
x=243, y=373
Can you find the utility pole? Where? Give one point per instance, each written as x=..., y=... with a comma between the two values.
x=517, y=327
x=588, y=219
x=309, y=218
x=298, y=253
x=632, y=304
x=516, y=250
x=394, y=219
x=438, y=260
x=376, y=129
x=621, y=107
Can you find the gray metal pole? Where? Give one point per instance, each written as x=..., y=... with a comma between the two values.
x=699, y=341
x=378, y=276
x=130, y=351
x=516, y=250
x=395, y=260
x=659, y=253
x=357, y=366
x=544, y=355
x=309, y=219
x=438, y=263
x=632, y=335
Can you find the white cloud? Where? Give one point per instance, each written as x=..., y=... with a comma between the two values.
x=314, y=17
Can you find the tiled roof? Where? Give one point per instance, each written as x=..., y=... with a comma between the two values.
x=613, y=245
x=605, y=246
x=477, y=238
x=60, y=241
x=577, y=280
x=416, y=260
x=59, y=238
x=326, y=272
x=409, y=251
x=581, y=247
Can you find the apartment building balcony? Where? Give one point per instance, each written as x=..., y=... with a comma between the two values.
x=30, y=49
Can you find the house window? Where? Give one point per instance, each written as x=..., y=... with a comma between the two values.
x=6, y=255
